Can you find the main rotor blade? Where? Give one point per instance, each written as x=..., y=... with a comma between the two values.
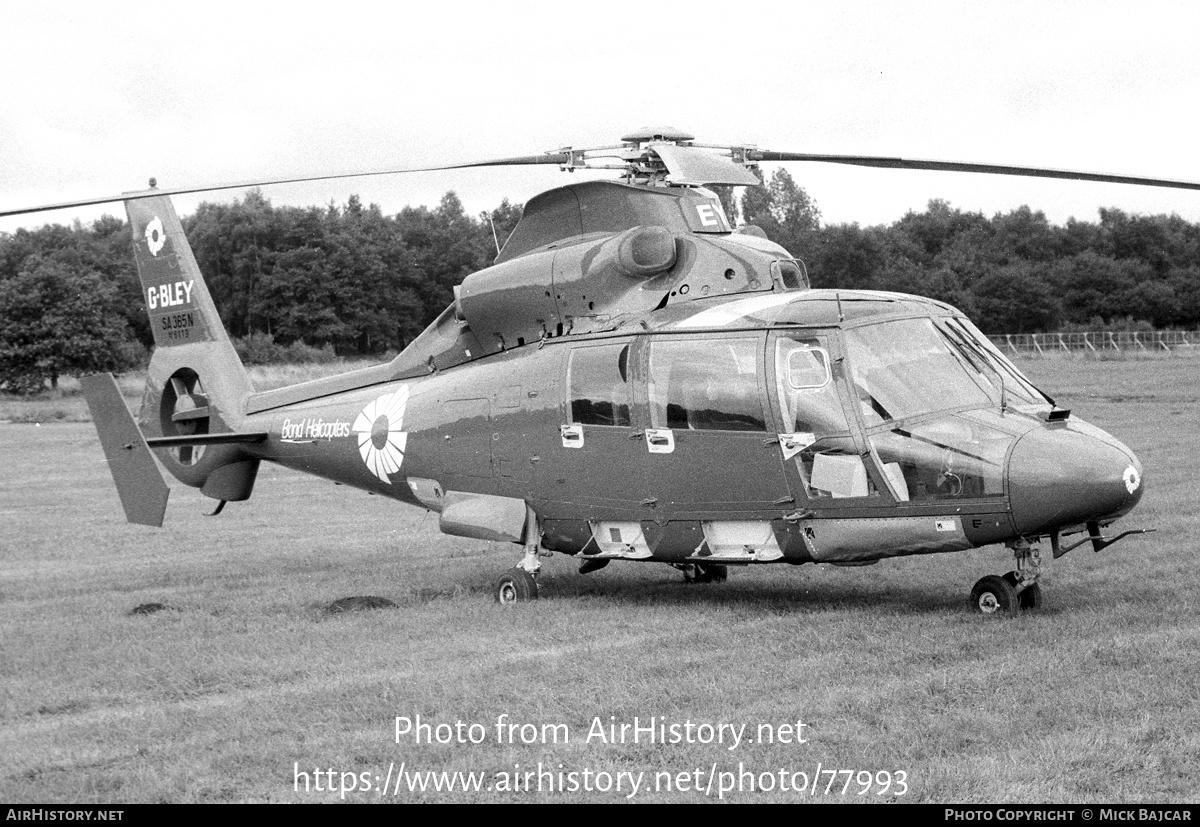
x=521, y=160
x=962, y=166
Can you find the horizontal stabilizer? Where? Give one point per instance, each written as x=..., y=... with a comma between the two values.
x=205, y=439
x=139, y=481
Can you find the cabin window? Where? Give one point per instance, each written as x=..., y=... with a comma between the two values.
x=598, y=378
x=705, y=385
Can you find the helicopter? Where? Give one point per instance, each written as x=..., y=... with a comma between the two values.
x=636, y=379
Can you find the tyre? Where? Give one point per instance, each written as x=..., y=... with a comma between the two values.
x=993, y=595
x=711, y=573
x=1031, y=598
x=515, y=586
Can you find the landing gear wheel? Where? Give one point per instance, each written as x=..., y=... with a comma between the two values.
x=711, y=573
x=516, y=586
x=994, y=595
x=1031, y=598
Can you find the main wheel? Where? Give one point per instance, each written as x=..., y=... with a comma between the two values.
x=711, y=573
x=994, y=595
x=514, y=586
x=1031, y=598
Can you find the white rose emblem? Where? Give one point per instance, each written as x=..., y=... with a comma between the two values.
x=381, y=440
x=155, y=237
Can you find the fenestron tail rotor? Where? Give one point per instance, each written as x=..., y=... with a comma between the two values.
x=188, y=414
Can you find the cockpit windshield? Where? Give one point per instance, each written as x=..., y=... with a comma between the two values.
x=909, y=367
x=913, y=367
x=970, y=342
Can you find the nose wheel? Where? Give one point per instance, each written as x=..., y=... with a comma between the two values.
x=1029, y=597
x=994, y=595
x=516, y=586
x=703, y=572
x=519, y=584
x=1016, y=591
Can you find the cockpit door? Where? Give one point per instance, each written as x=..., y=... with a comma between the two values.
x=827, y=462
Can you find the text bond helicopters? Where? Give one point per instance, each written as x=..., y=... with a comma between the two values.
x=634, y=379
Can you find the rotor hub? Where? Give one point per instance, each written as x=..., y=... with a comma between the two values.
x=657, y=133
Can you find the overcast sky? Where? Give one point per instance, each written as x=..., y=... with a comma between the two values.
x=97, y=97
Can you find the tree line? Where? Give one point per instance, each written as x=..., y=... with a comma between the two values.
x=355, y=281
x=1012, y=273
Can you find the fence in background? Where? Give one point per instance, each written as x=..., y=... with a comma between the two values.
x=1158, y=341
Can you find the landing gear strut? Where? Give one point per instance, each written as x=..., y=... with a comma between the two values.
x=703, y=572
x=1016, y=591
x=520, y=583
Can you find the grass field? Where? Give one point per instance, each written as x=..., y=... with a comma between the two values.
x=246, y=678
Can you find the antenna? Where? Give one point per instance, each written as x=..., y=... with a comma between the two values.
x=495, y=237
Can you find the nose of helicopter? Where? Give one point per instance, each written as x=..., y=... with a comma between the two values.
x=1059, y=477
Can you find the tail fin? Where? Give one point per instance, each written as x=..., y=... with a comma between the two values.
x=196, y=383
x=182, y=313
